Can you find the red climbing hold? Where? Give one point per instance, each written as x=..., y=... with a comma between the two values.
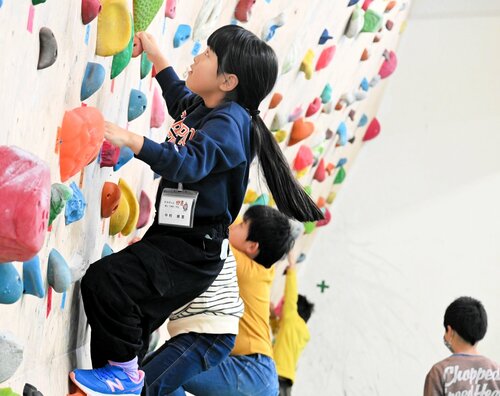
x=90, y=9
x=303, y=159
x=325, y=58
x=243, y=10
x=313, y=107
x=389, y=65
x=320, y=173
x=372, y=131
x=110, y=199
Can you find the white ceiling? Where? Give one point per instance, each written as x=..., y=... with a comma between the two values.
x=435, y=9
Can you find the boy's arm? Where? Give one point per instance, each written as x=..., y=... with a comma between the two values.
x=432, y=385
x=291, y=291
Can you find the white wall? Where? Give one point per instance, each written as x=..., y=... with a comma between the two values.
x=416, y=223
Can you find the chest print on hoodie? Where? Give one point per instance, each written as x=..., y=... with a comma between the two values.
x=179, y=133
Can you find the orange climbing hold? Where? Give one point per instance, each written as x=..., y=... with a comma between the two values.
x=276, y=100
x=300, y=130
x=110, y=199
x=80, y=138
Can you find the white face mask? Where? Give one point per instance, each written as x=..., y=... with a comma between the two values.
x=448, y=345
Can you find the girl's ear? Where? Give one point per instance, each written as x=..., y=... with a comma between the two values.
x=230, y=82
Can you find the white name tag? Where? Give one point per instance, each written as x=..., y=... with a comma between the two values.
x=177, y=207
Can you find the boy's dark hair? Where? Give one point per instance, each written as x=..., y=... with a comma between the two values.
x=272, y=230
x=304, y=307
x=242, y=53
x=467, y=317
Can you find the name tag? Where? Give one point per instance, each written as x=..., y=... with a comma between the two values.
x=177, y=207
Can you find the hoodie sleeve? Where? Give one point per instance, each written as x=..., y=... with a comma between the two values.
x=177, y=96
x=291, y=293
x=216, y=147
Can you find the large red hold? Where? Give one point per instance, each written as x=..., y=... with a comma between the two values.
x=24, y=204
x=372, y=131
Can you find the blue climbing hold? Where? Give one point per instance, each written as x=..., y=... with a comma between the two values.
x=263, y=199
x=106, y=250
x=181, y=35
x=341, y=162
x=126, y=154
x=58, y=272
x=326, y=95
x=342, y=132
x=363, y=120
x=1, y=3
x=75, y=207
x=11, y=286
x=325, y=36
x=136, y=104
x=365, y=85
x=352, y=2
x=196, y=48
x=92, y=80
x=301, y=258
x=32, y=277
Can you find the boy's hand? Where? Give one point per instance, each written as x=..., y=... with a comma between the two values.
x=152, y=50
x=292, y=259
x=121, y=137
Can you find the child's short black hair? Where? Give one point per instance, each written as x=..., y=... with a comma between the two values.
x=272, y=230
x=467, y=317
x=304, y=307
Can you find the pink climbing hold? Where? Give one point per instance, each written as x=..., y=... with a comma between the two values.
x=144, y=210
x=137, y=47
x=157, y=110
x=304, y=158
x=109, y=154
x=90, y=9
x=389, y=65
x=320, y=174
x=243, y=10
x=170, y=8
x=372, y=131
x=313, y=107
x=325, y=58
x=366, y=4
x=24, y=204
x=326, y=220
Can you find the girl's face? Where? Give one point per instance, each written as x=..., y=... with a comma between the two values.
x=202, y=77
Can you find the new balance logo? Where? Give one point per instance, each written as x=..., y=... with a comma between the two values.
x=115, y=385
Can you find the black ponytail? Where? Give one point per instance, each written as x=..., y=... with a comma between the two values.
x=242, y=53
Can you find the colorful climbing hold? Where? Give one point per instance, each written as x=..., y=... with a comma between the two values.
x=110, y=199
x=325, y=36
x=373, y=21
x=390, y=5
x=109, y=154
x=372, y=131
x=30, y=390
x=325, y=57
x=92, y=80
x=389, y=65
x=137, y=47
x=326, y=94
x=250, y=196
x=90, y=10
x=157, y=110
x=58, y=272
x=170, y=8
x=365, y=55
x=269, y=29
x=300, y=130
x=303, y=159
x=309, y=227
x=79, y=138
x=320, y=173
x=279, y=121
x=290, y=58
x=306, y=65
x=24, y=203
x=295, y=114
x=313, y=107
x=331, y=197
x=122, y=58
x=113, y=27
x=243, y=10
x=48, y=49
x=106, y=250
x=11, y=352
x=329, y=168
x=342, y=134
x=352, y=114
x=321, y=202
x=9, y=391
x=181, y=35
x=364, y=85
x=146, y=65
x=341, y=162
x=126, y=154
x=363, y=120
x=75, y=206
x=206, y=20
x=275, y=100
x=355, y=24
x=352, y=2
x=340, y=176
x=263, y=200
x=11, y=285
x=137, y=104
x=133, y=205
x=366, y=4
x=326, y=220
x=389, y=25
x=144, y=13
x=280, y=135
x=59, y=194
x=144, y=210
x=32, y=278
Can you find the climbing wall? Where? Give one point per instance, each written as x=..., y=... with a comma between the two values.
x=61, y=77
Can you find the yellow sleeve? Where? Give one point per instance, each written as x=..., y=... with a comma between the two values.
x=291, y=293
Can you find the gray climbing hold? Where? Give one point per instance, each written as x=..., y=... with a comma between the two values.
x=48, y=48
x=30, y=390
x=58, y=272
x=11, y=352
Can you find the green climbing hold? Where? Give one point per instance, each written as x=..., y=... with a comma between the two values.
x=144, y=13
x=373, y=21
x=309, y=227
x=35, y=2
x=308, y=190
x=9, y=391
x=59, y=194
x=122, y=59
x=146, y=65
x=339, y=178
x=263, y=199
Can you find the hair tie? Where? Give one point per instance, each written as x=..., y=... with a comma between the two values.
x=254, y=113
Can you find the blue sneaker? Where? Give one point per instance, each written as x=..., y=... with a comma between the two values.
x=108, y=380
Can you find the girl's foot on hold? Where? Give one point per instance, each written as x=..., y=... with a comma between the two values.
x=108, y=380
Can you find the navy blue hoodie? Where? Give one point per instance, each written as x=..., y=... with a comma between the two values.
x=208, y=150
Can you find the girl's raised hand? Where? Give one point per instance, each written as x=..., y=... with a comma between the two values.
x=121, y=137
x=152, y=50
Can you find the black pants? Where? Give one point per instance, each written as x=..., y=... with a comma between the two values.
x=129, y=294
x=285, y=386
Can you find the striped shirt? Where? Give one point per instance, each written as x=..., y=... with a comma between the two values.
x=216, y=311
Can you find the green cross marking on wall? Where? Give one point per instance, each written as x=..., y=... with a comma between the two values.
x=323, y=286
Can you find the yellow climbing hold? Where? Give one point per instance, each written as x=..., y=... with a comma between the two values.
x=114, y=27
x=331, y=197
x=120, y=217
x=302, y=172
x=133, y=204
x=250, y=196
x=280, y=135
x=403, y=27
x=307, y=64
